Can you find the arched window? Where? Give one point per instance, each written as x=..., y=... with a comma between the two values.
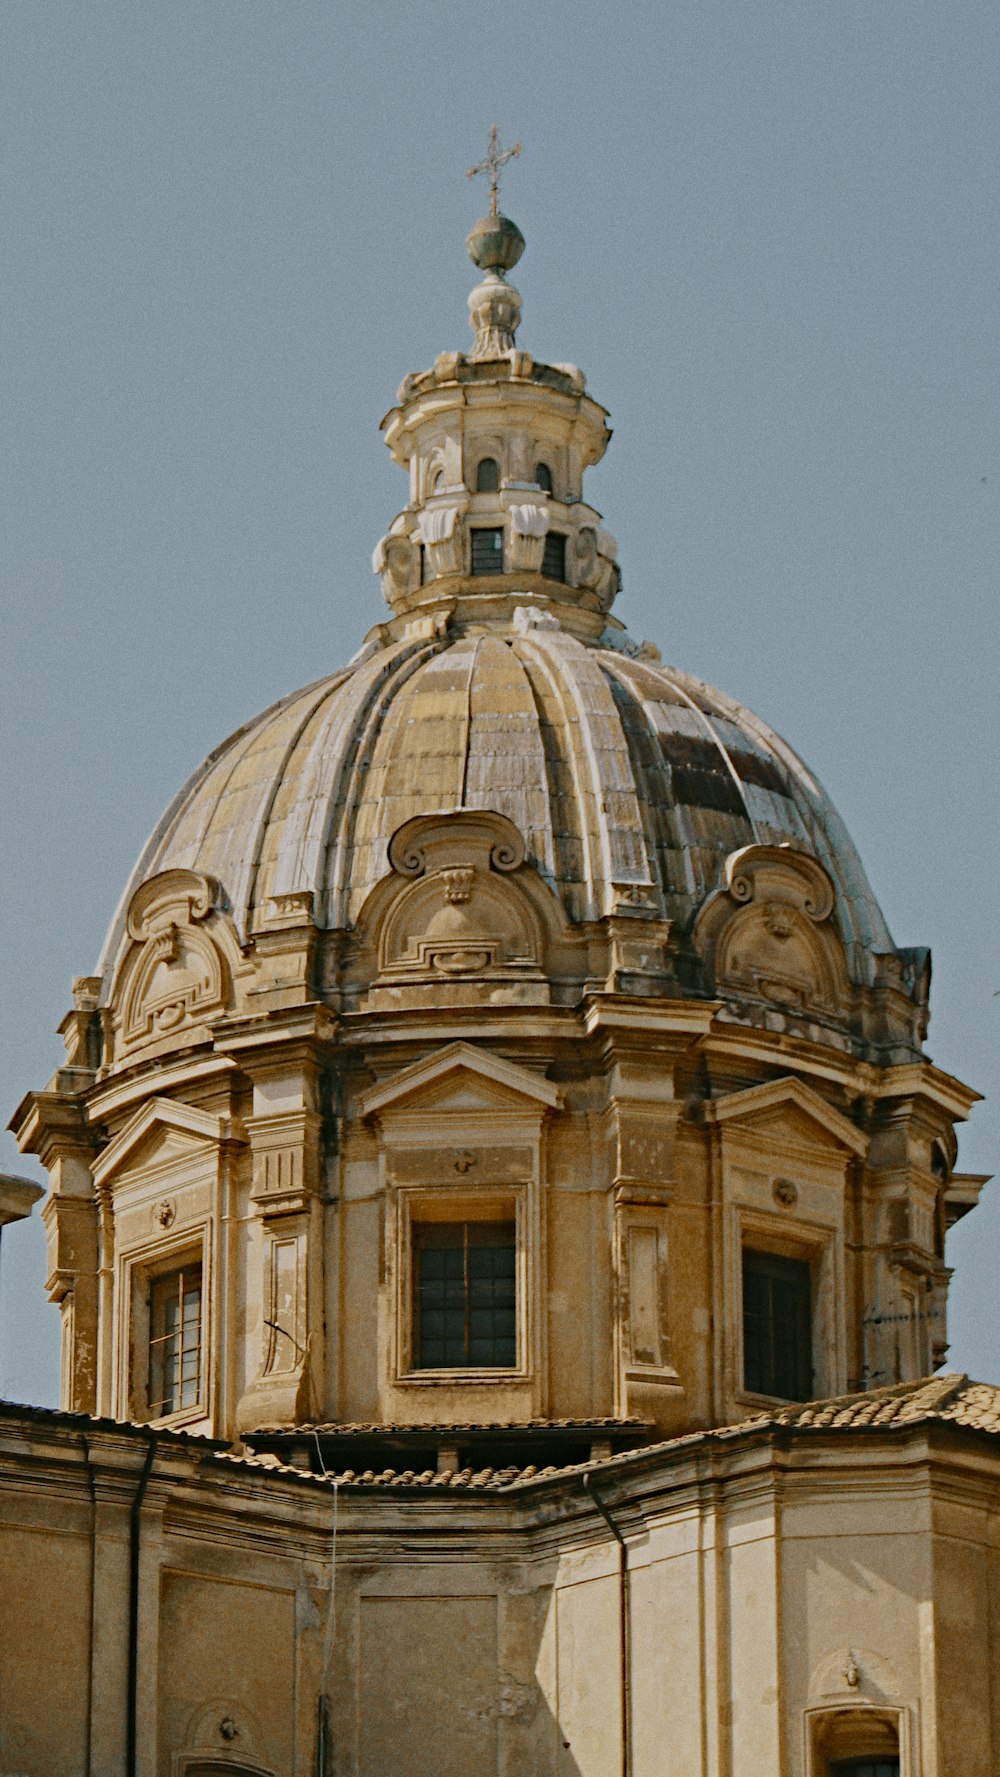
x=862, y=1742
x=488, y=476
x=543, y=477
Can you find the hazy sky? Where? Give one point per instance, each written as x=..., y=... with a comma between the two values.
x=769, y=235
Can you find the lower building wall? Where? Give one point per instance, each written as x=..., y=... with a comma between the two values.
x=781, y=1606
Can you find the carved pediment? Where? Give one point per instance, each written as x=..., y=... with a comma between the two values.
x=787, y=1113
x=461, y=916
x=767, y=934
x=460, y=1079
x=161, y=1130
x=179, y=968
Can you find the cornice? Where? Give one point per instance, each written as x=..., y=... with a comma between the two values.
x=118, y=1093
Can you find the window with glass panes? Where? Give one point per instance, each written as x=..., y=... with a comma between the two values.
x=464, y=1296
x=174, y=1373
x=777, y=1325
x=487, y=551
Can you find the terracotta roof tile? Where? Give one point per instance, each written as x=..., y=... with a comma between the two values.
x=950, y=1399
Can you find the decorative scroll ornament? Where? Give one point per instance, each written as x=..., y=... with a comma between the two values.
x=767, y=934
x=179, y=969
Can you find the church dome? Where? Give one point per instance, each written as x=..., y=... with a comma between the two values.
x=503, y=683
x=627, y=779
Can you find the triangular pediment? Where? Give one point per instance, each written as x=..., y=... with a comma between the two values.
x=787, y=1110
x=160, y=1130
x=462, y=1078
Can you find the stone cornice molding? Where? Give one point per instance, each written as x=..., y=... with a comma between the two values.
x=458, y=1058
x=753, y=1101
x=922, y=1080
x=165, y=1112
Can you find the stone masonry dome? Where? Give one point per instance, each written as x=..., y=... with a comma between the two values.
x=502, y=682
x=630, y=782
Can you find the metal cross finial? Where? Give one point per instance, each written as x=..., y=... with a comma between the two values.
x=495, y=159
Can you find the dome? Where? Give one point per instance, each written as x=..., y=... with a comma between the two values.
x=624, y=776
x=503, y=683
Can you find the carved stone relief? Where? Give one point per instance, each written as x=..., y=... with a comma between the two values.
x=767, y=933
x=179, y=970
x=454, y=910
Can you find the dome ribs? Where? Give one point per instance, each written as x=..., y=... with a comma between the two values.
x=669, y=834
x=362, y=732
x=692, y=776
x=297, y=853
x=614, y=843
x=417, y=761
x=565, y=833
x=505, y=758
x=856, y=912
x=246, y=865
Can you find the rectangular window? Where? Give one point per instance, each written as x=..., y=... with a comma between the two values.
x=174, y=1369
x=554, y=556
x=777, y=1326
x=464, y=1296
x=487, y=551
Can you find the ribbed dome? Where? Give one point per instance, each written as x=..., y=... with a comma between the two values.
x=616, y=770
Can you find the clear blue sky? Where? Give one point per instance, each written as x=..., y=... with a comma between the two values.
x=769, y=235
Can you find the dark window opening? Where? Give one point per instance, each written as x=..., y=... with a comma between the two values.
x=865, y=1767
x=777, y=1326
x=488, y=476
x=487, y=552
x=554, y=556
x=543, y=477
x=175, y=1341
x=464, y=1296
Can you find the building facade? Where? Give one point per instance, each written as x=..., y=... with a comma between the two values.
x=499, y=1080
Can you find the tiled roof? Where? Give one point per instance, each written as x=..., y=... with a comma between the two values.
x=451, y=1427
x=949, y=1399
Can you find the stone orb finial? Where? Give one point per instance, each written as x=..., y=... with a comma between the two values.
x=495, y=243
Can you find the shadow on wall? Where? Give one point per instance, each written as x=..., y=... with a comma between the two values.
x=510, y=1679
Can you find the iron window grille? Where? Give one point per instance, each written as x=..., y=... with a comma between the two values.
x=174, y=1373
x=465, y=1296
x=777, y=1326
x=487, y=551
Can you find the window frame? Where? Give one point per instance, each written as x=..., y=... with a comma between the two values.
x=156, y=1362
x=836, y=1733
x=805, y=1354
x=557, y=540
x=793, y=1238
x=480, y=466
x=140, y=1270
x=418, y=1206
x=492, y=530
